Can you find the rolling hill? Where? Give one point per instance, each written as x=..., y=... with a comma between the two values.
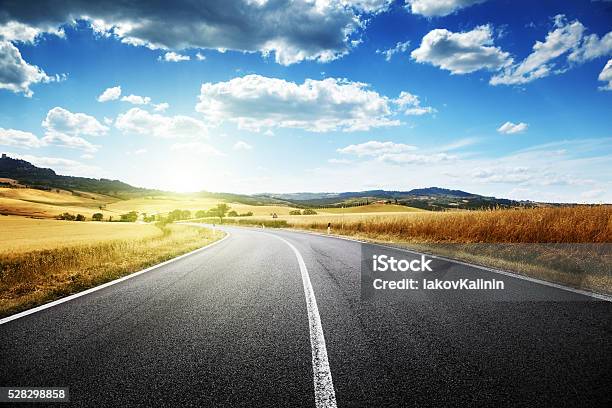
x=16, y=173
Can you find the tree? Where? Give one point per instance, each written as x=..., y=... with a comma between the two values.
x=221, y=210
x=232, y=214
x=97, y=217
x=201, y=214
x=132, y=216
x=309, y=211
x=295, y=212
x=148, y=218
x=66, y=216
x=80, y=217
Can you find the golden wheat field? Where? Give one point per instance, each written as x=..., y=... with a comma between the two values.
x=48, y=204
x=21, y=234
x=165, y=204
x=32, y=277
x=370, y=208
x=587, y=224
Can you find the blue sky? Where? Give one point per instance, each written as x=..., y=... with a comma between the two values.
x=503, y=98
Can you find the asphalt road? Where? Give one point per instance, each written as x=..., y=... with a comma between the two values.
x=229, y=326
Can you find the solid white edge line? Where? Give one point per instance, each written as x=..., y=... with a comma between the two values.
x=325, y=396
x=599, y=296
x=107, y=284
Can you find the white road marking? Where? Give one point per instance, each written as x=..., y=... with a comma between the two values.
x=594, y=295
x=325, y=396
x=105, y=285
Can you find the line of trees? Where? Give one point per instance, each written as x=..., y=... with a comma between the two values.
x=307, y=211
x=221, y=211
x=71, y=217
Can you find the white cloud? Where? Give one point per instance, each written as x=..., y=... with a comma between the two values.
x=17, y=32
x=413, y=158
x=136, y=99
x=606, y=76
x=292, y=31
x=110, y=94
x=339, y=161
x=567, y=38
x=257, y=103
x=557, y=172
x=510, y=128
x=18, y=138
x=200, y=56
x=240, y=145
x=394, y=153
x=592, y=194
x=14, y=31
x=198, y=148
x=27, y=140
x=400, y=47
x=174, y=57
x=87, y=156
x=438, y=8
x=412, y=105
x=376, y=148
x=16, y=74
x=72, y=142
x=60, y=120
x=161, y=107
x=592, y=47
x=461, y=53
x=108, y=121
x=141, y=122
x=538, y=64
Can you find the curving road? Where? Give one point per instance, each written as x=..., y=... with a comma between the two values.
x=232, y=325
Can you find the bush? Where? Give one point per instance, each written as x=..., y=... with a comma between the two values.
x=148, y=218
x=97, y=217
x=80, y=217
x=295, y=212
x=232, y=214
x=246, y=214
x=132, y=216
x=201, y=214
x=308, y=211
x=66, y=216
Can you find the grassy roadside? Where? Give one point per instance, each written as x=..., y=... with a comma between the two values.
x=581, y=266
x=28, y=279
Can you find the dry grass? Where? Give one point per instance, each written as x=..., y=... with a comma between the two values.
x=21, y=234
x=48, y=204
x=370, y=208
x=30, y=278
x=165, y=204
x=582, y=266
x=587, y=224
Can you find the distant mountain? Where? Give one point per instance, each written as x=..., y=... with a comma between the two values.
x=431, y=198
x=27, y=174
x=43, y=178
